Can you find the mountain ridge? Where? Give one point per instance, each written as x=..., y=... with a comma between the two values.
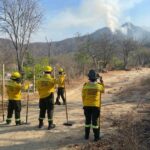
x=71, y=44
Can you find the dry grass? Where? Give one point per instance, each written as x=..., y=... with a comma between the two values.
x=131, y=134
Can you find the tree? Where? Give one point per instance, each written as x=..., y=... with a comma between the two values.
x=49, y=44
x=142, y=56
x=104, y=49
x=19, y=19
x=87, y=47
x=101, y=50
x=82, y=60
x=81, y=57
x=29, y=60
x=128, y=45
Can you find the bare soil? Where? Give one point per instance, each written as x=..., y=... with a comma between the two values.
x=124, y=91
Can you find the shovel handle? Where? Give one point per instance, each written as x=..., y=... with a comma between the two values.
x=66, y=103
x=27, y=106
x=3, y=108
x=3, y=84
x=100, y=112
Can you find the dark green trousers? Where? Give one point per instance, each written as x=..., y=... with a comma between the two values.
x=91, y=120
x=13, y=105
x=47, y=105
x=60, y=93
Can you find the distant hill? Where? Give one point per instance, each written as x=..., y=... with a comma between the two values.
x=134, y=31
x=7, y=52
x=71, y=44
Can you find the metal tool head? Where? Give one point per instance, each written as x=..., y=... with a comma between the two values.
x=69, y=123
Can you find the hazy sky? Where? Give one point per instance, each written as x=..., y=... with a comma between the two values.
x=64, y=18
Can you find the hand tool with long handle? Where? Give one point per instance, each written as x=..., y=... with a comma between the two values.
x=68, y=123
x=3, y=114
x=27, y=107
x=3, y=78
x=99, y=113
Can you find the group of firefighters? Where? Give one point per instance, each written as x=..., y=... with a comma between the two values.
x=91, y=97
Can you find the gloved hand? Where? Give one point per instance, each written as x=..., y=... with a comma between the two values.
x=101, y=79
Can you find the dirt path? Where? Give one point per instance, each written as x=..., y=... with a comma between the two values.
x=28, y=137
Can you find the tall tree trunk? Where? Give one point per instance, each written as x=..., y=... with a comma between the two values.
x=18, y=60
x=96, y=66
x=125, y=63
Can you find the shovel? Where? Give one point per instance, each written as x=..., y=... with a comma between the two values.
x=68, y=123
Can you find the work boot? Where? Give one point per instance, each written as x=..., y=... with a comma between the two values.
x=51, y=125
x=41, y=124
x=96, y=134
x=8, y=122
x=18, y=123
x=57, y=103
x=87, y=132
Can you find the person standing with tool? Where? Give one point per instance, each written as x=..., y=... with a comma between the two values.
x=61, y=92
x=91, y=97
x=46, y=88
x=14, y=88
x=61, y=86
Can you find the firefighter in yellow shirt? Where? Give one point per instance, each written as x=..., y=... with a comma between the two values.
x=91, y=94
x=61, y=86
x=46, y=88
x=14, y=87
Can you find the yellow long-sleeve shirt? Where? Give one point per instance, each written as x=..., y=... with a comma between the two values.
x=14, y=90
x=61, y=80
x=46, y=85
x=91, y=94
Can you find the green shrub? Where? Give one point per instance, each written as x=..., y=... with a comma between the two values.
x=117, y=63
